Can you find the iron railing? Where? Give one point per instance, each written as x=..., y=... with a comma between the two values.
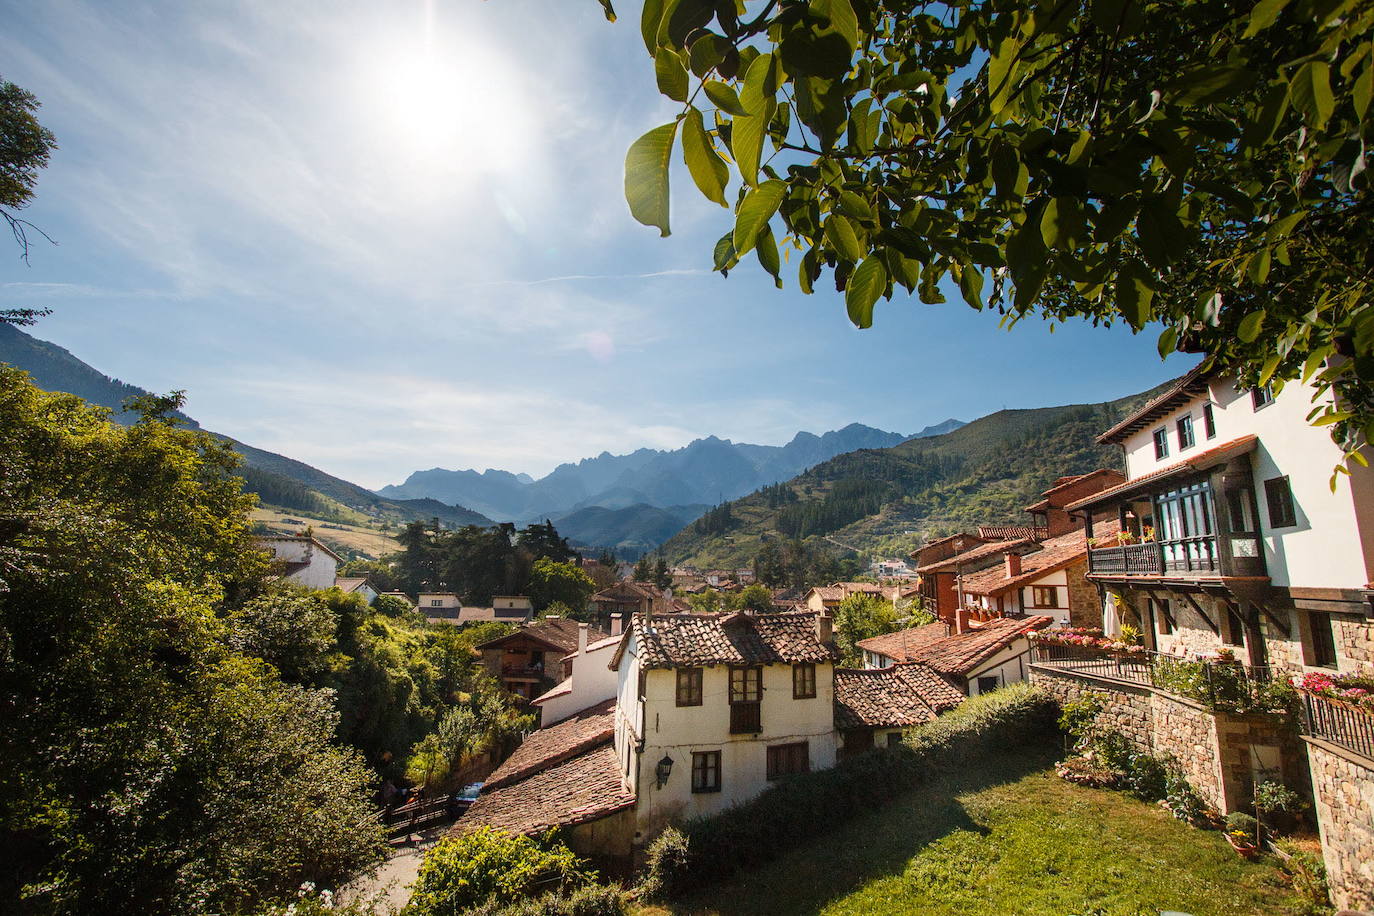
x=1215, y=683
x=1340, y=723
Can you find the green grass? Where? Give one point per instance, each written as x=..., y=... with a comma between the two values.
x=1032, y=844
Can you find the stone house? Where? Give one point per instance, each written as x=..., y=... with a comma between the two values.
x=530, y=661
x=1236, y=557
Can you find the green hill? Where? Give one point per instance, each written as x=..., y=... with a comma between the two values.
x=889, y=501
x=278, y=480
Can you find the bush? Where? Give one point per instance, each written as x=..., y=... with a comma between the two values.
x=1183, y=800
x=1079, y=715
x=665, y=865
x=1307, y=873
x=1242, y=826
x=1147, y=777
x=494, y=868
x=590, y=900
x=789, y=812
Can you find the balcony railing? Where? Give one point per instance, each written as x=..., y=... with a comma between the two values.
x=536, y=671
x=1154, y=558
x=745, y=719
x=1340, y=723
x=1216, y=684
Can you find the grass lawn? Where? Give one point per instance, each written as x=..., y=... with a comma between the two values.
x=1008, y=842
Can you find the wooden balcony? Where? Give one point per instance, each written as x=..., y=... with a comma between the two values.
x=1189, y=557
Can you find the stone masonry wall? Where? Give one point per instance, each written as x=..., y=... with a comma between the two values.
x=1187, y=732
x=1354, y=642
x=1085, y=607
x=1344, y=791
x=1126, y=710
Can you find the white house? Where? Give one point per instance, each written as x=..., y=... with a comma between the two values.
x=356, y=585
x=590, y=679
x=303, y=559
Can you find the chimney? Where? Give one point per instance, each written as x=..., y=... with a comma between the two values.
x=617, y=623
x=1013, y=565
x=961, y=620
x=582, y=637
x=825, y=628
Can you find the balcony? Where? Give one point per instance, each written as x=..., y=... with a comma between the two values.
x=1186, y=557
x=526, y=672
x=1340, y=723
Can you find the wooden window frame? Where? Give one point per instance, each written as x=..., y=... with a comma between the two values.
x=746, y=714
x=1182, y=424
x=782, y=759
x=1261, y=397
x=1278, y=496
x=705, y=772
x=689, y=682
x=1036, y=595
x=804, y=681
x=1323, y=646
x=994, y=678
x=1161, y=440
x=1209, y=422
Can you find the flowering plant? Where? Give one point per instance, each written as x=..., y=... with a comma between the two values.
x=1087, y=638
x=1349, y=687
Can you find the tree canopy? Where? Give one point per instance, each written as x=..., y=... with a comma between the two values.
x=1198, y=163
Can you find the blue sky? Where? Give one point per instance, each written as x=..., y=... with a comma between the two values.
x=381, y=236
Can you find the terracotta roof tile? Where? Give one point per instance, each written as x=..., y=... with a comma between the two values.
x=558, y=632
x=961, y=653
x=730, y=639
x=894, y=697
x=581, y=789
x=548, y=746
x=898, y=646
x=1011, y=532
x=983, y=552
x=1055, y=554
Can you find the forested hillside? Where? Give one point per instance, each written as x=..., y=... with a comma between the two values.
x=278, y=480
x=888, y=501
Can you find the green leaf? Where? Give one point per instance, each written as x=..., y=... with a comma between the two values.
x=746, y=142
x=806, y=270
x=608, y=10
x=842, y=19
x=1330, y=419
x=1258, y=269
x=646, y=176
x=1168, y=342
x=855, y=206
x=1265, y=13
x=724, y=98
x=866, y=284
x=1268, y=115
x=725, y=257
x=1211, y=83
x=755, y=211
x=1009, y=173
x=1363, y=89
x=839, y=232
x=1002, y=72
x=649, y=19
x=1134, y=294
x=1312, y=92
x=1061, y=225
x=971, y=285
x=671, y=75
x=706, y=52
x=707, y=169
x=1250, y=326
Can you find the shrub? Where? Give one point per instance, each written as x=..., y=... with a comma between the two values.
x=1147, y=777
x=491, y=867
x=1114, y=751
x=802, y=806
x=1079, y=715
x=1183, y=800
x=1274, y=798
x=589, y=900
x=665, y=865
x=1307, y=873
x=1242, y=826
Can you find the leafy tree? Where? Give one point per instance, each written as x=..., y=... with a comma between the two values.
x=25, y=146
x=544, y=541
x=607, y=559
x=377, y=572
x=706, y=602
x=1199, y=163
x=643, y=571
x=289, y=627
x=754, y=597
x=551, y=581
x=149, y=766
x=393, y=606
x=490, y=866
x=862, y=617
x=662, y=577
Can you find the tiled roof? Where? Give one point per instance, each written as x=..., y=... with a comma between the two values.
x=982, y=552
x=961, y=653
x=894, y=697
x=558, y=632
x=828, y=592
x=898, y=646
x=1011, y=532
x=549, y=746
x=740, y=638
x=1200, y=461
x=1054, y=555
x=580, y=789
x=1192, y=383
x=349, y=583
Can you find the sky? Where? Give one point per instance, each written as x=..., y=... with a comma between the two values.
x=389, y=235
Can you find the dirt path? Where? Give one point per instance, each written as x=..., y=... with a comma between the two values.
x=391, y=883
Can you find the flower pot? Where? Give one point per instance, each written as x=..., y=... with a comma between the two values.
x=1245, y=850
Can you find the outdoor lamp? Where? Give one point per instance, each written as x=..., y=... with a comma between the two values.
x=664, y=770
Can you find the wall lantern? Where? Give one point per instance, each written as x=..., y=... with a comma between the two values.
x=664, y=770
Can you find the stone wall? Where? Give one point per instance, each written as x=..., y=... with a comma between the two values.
x=1085, y=606
x=1344, y=790
x=1354, y=642
x=1219, y=752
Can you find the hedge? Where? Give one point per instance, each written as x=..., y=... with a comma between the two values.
x=982, y=728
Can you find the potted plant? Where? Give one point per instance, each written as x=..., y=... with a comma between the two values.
x=1242, y=832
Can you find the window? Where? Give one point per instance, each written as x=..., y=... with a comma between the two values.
x=1163, y=616
x=987, y=684
x=1323, y=646
x=705, y=770
x=788, y=760
x=746, y=691
x=894, y=739
x=1209, y=422
x=689, y=686
x=1161, y=444
x=436, y=602
x=1280, y=498
x=1261, y=397
x=1184, y=526
x=1232, y=628
x=1045, y=596
x=1185, y=432
x=803, y=681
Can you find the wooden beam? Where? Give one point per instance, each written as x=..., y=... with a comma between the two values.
x=1201, y=613
x=1163, y=605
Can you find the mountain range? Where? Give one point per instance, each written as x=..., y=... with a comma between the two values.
x=700, y=474
x=888, y=501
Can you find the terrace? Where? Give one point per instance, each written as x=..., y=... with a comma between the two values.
x=1339, y=709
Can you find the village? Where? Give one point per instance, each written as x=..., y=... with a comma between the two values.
x=1181, y=599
